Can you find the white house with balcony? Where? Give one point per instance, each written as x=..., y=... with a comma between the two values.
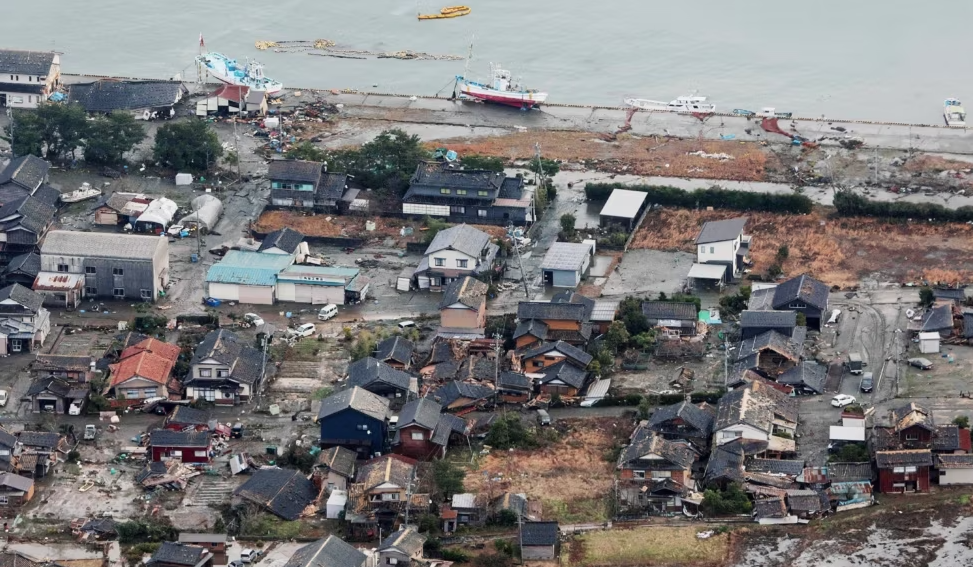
x=721, y=251
x=28, y=77
x=455, y=252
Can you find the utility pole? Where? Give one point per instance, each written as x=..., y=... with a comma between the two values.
x=537, y=186
x=496, y=368
x=523, y=274
x=408, y=495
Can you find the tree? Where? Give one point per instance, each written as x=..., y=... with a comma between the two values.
x=774, y=271
x=568, y=222
x=508, y=432
x=801, y=320
x=433, y=226
x=448, y=477
x=962, y=421
x=487, y=163
x=782, y=253
x=506, y=517
x=851, y=453
x=306, y=151
x=645, y=408
x=187, y=145
x=926, y=296
x=26, y=134
x=630, y=313
x=731, y=305
x=545, y=167
x=733, y=500
x=111, y=137
x=617, y=336
x=52, y=131
x=364, y=346
x=387, y=161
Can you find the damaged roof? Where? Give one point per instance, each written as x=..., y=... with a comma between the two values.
x=791, y=348
x=286, y=239
x=283, y=492
x=398, y=349
x=580, y=357
x=339, y=460
x=26, y=171
x=849, y=472
x=467, y=291
x=757, y=405
x=227, y=348
x=677, y=310
x=686, y=412
x=367, y=371
x=452, y=392
x=393, y=469
x=937, y=318
x=907, y=457
x=111, y=95
x=911, y=414
x=651, y=451
x=802, y=288
x=807, y=373
x=775, y=466
x=770, y=507
x=564, y=372
x=406, y=540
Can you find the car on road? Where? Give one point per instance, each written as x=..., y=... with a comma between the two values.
x=407, y=324
x=249, y=555
x=842, y=400
x=921, y=363
x=3, y=398
x=543, y=418
x=305, y=330
x=253, y=319
x=867, y=383
x=90, y=431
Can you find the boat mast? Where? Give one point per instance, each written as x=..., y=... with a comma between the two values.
x=199, y=64
x=469, y=56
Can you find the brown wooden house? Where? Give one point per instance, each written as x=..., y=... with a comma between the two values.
x=541, y=322
x=423, y=431
x=15, y=491
x=536, y=359
x=464, y=304
x=654, y=472
x=214, y=543
x=904, y=471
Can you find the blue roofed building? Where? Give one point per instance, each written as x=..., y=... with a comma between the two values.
x=247, y=277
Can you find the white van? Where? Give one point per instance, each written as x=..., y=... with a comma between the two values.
x=329, y=311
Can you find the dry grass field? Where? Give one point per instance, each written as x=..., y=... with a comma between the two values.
x=657, y=546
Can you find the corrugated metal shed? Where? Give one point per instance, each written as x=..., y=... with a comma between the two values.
x=624, y=203
x=248, y=268
x=567, y=256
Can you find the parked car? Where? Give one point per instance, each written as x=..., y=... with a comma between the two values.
x=867, y=383
x=3, y=398
x=329, y=311
x=543, y=418
x=74, y=408
x=921, y=363
x=253, y=319
x=305, y=330
x=407, y=324
x=842, y=400
x=90, y=431
x=249, y=555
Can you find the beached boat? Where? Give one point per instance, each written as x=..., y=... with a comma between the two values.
x=743, y=112
x=500, y=91
x=953, y=113
x=227, y=70
x=447, y=12
x=694, y=104
x=771, y=112
x=85, y=192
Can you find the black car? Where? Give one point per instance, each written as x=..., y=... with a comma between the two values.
x=866, y=383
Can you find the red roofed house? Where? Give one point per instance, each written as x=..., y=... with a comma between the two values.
x=142, y=371
x=231, y=99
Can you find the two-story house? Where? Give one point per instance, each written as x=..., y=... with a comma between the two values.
x=654, y=472
x=757, y=412
x=26, y=175
x=541, y=321
x=187, y=447
x=214, y=543
x=453, y=253
x=143, y=371
x=102, y=265
x=24, y=324
x=383, y=380
x=423, y=431
x=293, y=183
x=225, y=369
x=536, y=359
x=28, y=77
x=460, y=195
x=335, y=468
x=771, y=352
x=355, y=419
x=464, y=305
x=15, y=491
x=402, y=548
x=396, y=351
x=803, y=294
x=600, y=313
x=385, y=481
x=25, y=221
x=673, y=319
x=722, y=243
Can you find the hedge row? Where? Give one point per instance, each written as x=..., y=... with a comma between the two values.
x=853, y=205
x=713, y=197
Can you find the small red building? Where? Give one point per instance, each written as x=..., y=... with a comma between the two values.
x=904, y=471
x=423, y=431
x=190, y=447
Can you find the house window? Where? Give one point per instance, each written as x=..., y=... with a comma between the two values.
x=176, y=453
x=462, y=263
x=461, y=191
x=417, y=436
x=3, y=499
x=457, y=210
x=88, y=290
x=393, y=496
x=539, y=363
x=440, y=262
x=911, y=436
x=150, y=392
x=118, y=292
x=222, y=373
x=661, y=474
x=712, y=250
x=90, y=270
x=796, y=305
x=132, y=394
x=702, y=249
x=62, y=268
x=205, y=372
x=118, y=271
x=200, y=453
x=638, y=474
x=393, y=561
x=445, y=191
x=898, y=469
x=362, y=427
x=483, y=193
x=145, y=293
x=482, y=213
x=911, y=469
x=731, y=434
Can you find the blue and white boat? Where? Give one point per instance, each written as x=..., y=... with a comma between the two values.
x=229, y=71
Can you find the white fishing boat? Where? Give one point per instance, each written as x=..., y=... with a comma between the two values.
x=501, y=89
x=953, y=113
x=229, y=71
x=85, y=192
x=688, y=104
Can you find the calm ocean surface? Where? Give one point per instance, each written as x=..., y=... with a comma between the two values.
x=891, y=60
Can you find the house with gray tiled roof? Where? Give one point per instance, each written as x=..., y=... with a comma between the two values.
x=225, y=369
x=403, y=547
x=146, y=100
x=439, y=189
x=331, y=551
x=28, y=77
x=423, y=432
x=454, y=252
x=654, y=472
x=381, y=379
x=803, y=294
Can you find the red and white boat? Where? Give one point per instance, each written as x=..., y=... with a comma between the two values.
x=501, y=91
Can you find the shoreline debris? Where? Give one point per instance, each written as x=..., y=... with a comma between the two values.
x=326, y=48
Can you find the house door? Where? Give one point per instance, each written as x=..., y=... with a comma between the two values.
x=16, y=345
x=548, y=277
x=3, y=99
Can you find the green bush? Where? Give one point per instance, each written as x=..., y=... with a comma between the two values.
x=487, y=163
x=455, y=555
x=851, y=453
x=733, y=500
x=713, y=197
x=141, y=531
x=962, y=421
x=850, y=204
x=508, y=432
x=506, y=518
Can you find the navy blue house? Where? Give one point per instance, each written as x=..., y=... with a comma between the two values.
x=355, y=419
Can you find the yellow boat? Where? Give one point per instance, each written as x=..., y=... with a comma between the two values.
x=447, y=12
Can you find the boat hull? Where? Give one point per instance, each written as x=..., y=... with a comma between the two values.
x=515, y=99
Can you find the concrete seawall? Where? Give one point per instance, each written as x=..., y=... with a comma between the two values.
x=605, y=119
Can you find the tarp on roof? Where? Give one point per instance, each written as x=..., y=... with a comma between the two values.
x=159, y=211
x=206, y=213
x=707, y=271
